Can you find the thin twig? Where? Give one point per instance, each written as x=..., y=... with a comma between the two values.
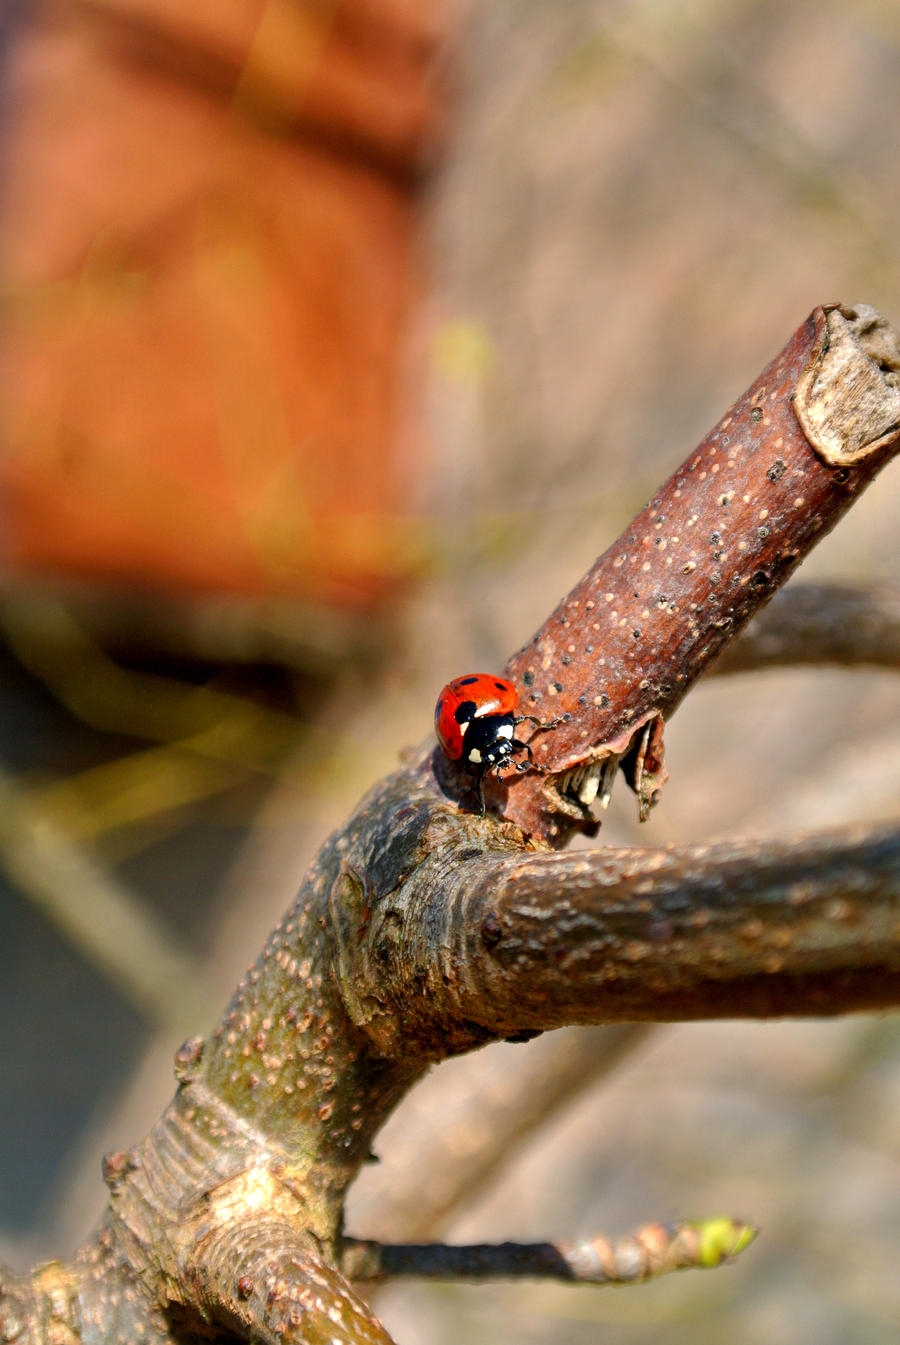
x=652, y=1251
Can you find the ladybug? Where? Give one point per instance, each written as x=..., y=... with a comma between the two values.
x=475, y=722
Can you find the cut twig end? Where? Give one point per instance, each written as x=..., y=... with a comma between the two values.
x=848, y=398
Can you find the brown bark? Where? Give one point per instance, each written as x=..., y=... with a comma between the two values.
x=722, y=931
x=423, y=930
x=711, y=547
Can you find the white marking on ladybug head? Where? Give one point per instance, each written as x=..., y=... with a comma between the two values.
x=505, y=731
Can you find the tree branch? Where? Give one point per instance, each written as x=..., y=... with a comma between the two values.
x=842, y=624
x=500, y=946
x=464, y=1139
x=711, y=547
x=423, y=930
x=261, y=1279
x=644, y=1255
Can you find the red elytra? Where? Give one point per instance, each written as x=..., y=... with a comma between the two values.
x=476, y=723
x=467, y=698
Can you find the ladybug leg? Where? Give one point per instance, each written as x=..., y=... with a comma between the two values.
x=509, y=764
x=530, y=764
x=521, y=766
x=518, y=746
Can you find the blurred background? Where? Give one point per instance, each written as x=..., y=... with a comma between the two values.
x=338, y=338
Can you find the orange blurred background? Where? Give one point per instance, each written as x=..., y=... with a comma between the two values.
x=208, y=241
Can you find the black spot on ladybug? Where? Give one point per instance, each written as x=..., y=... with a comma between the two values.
x=500, y=686
x=466, y=681
x=776, y=471
x=464, y=712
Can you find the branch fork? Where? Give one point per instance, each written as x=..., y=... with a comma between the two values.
x=422, y=930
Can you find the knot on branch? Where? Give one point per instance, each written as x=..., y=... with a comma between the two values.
x=398, y=947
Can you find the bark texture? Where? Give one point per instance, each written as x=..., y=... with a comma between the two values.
x=423, y=929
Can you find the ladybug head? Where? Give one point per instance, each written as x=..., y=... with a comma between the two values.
x=488, y=740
